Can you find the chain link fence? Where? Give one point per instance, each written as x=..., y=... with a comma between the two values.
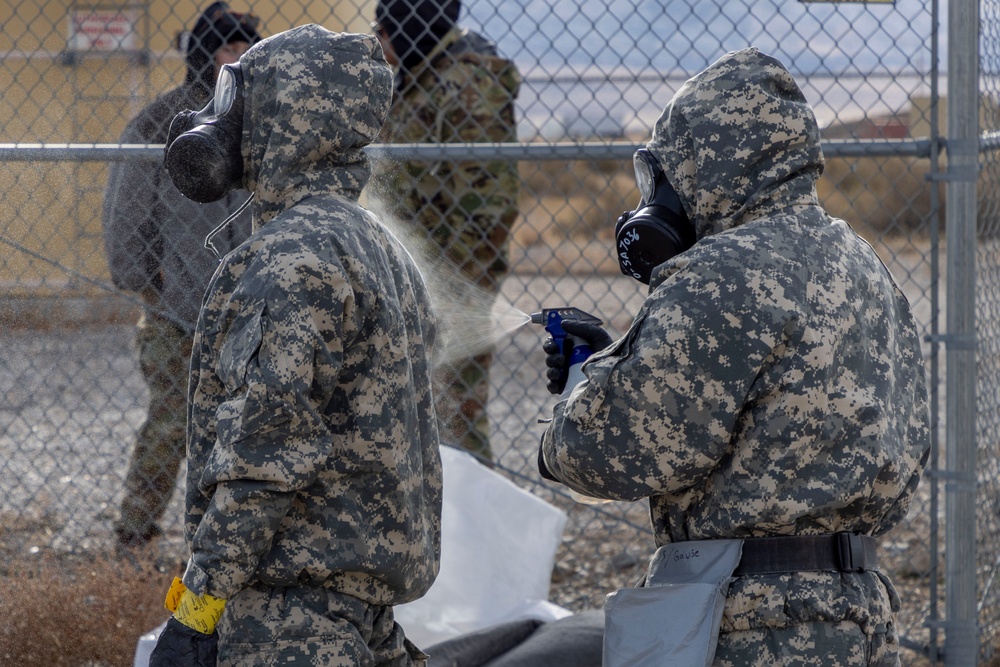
x=987, y=459
x=594, y=77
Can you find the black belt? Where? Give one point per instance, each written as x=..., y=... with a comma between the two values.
x=844, y=552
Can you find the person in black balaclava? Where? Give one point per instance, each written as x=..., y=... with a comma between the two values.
x=219, y=37
x=452, y=86
x=415, y=27
x=154, y=242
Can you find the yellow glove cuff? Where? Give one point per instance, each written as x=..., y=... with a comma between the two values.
x=198, y=612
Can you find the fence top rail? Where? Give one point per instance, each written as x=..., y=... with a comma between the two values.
x=591, y=150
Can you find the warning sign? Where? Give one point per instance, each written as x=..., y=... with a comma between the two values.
x=101, y=30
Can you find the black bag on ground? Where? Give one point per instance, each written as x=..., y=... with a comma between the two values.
x=574, y=641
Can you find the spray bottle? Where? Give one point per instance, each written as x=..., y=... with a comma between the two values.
x=574, y=348
x=577, y=351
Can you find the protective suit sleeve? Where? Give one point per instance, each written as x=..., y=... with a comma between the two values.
x=658, y=408
x=271, y=436
x=131, y=219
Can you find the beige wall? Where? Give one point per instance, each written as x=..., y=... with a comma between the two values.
x=53, y=209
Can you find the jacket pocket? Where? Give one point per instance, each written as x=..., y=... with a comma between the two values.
x=241, y=418
x=240, y=347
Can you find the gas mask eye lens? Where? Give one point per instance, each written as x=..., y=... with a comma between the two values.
x=645, y=173
x=225, y=90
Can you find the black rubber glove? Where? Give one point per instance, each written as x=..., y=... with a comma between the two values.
x=594, y=334
x=555, y=360
x=180, y=646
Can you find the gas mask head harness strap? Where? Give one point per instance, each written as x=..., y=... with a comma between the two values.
x=203, y=151
x=658, y=229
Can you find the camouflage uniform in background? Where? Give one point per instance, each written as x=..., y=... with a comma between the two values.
x=314, y=473
x=772, y=382
x=154, y=240
x=164, y=355
x=462, y=92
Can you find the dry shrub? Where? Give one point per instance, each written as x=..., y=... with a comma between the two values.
x=877, y=196
x=45, y=311
x=571, y=207
x=74, y=611
x=564, y=177
x=578, y=198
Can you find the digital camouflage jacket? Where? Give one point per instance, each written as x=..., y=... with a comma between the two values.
x=772, y=382
x=462, y=92
x=312, y=442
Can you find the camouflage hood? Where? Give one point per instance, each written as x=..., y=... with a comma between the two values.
x=739, y=141
x=315, y=99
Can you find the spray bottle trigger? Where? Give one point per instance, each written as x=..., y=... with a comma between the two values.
x=575, y=349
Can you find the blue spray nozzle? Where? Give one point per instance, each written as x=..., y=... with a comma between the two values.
x=552, y=319
x=575, y=349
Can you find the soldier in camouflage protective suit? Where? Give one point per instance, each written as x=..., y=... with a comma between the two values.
x=772, y=382
x=451, y=87
x=314, y=473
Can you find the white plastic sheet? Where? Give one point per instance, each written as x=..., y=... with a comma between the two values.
x=498, y=546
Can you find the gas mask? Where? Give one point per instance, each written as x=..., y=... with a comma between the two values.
x=658, y=229
x=203, y=151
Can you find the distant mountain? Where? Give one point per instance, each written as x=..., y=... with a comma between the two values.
x=687, y=35
x=602, y=68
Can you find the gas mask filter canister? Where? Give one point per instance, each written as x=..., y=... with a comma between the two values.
x=658, y=229
x=203, y=152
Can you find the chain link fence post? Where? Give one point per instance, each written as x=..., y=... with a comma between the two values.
x=961, y=645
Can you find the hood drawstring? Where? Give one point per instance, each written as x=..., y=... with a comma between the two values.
x=225, y=223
